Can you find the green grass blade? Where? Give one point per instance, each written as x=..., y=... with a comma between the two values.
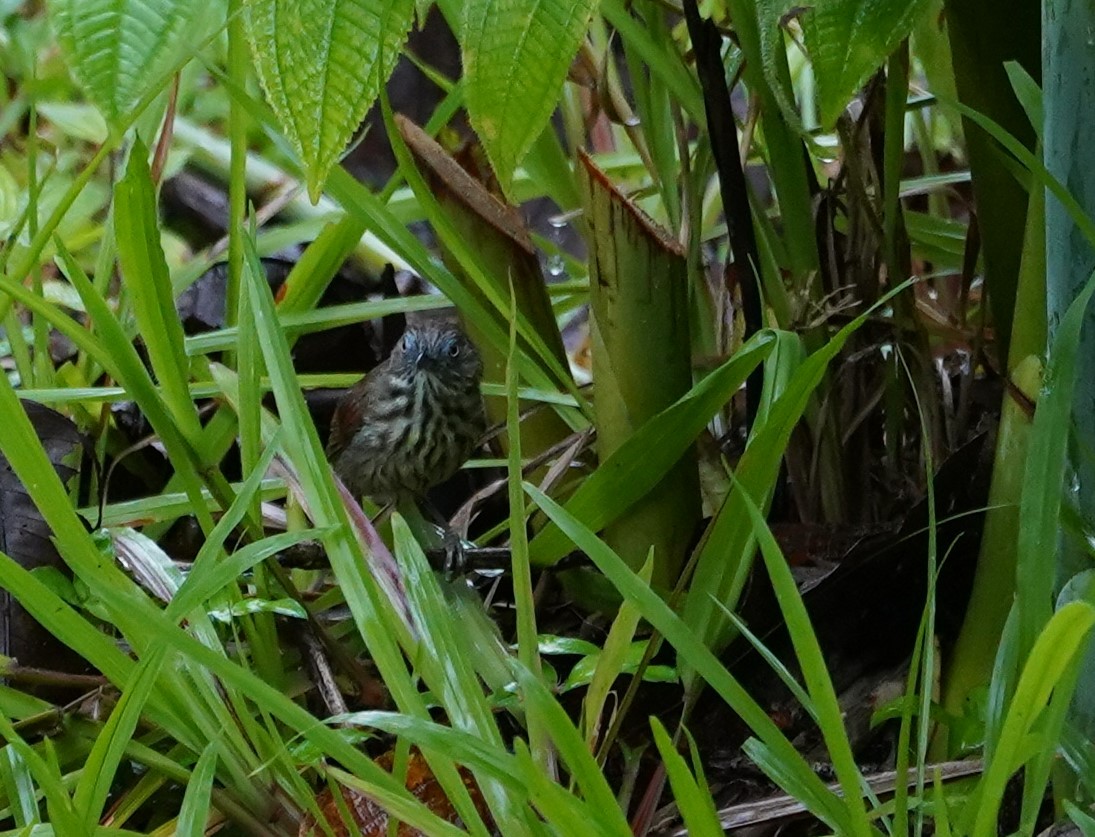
x=447, y=664
x=125, y=366
x=1045, y=474
x=102, y=763
x=661, y=57
x=693, y=800
x=584, y=770
x=59, y=806
x=822, y=802
x=641, y=461
x=149, y=285
x=18, y=781
x=195, y=806
x=725, y=554
x=830, y=716
x=1054, y=657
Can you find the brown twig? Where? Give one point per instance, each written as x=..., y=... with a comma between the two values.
x=163, y=145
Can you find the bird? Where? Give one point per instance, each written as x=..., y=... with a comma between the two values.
x=414, y=419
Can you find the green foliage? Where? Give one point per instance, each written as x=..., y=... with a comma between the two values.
x=120, y=49
x=516, y=56
x=848, y=40
x=211, y=696
x=322, y=66
x=149, y=284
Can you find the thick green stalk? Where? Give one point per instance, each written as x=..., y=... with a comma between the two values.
x=641, y=362
x=971, y=663
x=1069, y=101
x=982, y=39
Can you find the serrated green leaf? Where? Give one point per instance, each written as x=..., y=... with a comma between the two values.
x=321, y=65
x=770, y=17
x=516, y=55
x=118, y=48
x=848, y=40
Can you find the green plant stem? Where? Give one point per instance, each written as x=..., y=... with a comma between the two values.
x=971, y=663
x=238, y=68
x=982, y=39
x=41, y=371
x=527, y=639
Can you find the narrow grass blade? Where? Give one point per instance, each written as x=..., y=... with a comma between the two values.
x=59, y=808
x=1053, y=658
x=18, y=782
x=726, y=552
x=640, y=462
x=102, y=763
x=149, y=285
x=693, y=800
x=822, y=802
x=830, y=716
x=195, y=806
x=1045, y=474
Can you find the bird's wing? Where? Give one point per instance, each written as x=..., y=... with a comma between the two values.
x=346, y=420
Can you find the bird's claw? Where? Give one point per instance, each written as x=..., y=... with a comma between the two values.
x=455, y=560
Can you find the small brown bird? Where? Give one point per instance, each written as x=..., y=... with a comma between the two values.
x=413, y=420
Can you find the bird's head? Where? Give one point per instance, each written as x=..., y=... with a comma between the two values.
x=441, y=351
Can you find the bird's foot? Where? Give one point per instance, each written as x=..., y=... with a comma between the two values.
x=455, y=560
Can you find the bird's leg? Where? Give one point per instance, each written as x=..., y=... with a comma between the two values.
x=431, y=530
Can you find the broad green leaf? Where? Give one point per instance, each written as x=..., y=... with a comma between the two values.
x=516, y=56
x=77, y=120
x=119, y=49
x=321, y=66
x=848, y=40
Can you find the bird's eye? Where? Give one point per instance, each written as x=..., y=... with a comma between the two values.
x=454, y=350
x=407, y=342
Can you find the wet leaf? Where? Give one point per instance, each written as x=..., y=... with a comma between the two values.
x=321, y=66
x=516, y=56
x=117, y=49
x=849, y=39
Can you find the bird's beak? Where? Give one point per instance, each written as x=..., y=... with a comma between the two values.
x=418, y=359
